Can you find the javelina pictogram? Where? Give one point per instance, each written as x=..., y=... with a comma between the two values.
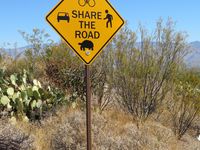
x=86, y=44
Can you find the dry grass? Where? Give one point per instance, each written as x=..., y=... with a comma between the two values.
x=13, y=138
x=112, y=130
x=43, y=132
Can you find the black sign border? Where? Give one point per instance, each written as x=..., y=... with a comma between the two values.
x=72, y=46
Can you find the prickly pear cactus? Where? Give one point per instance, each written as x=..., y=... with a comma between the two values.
x=21, y=97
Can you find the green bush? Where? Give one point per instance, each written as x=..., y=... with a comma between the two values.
x=143, y=71
x=67, y=72
x=38, y=44
x=186, y=101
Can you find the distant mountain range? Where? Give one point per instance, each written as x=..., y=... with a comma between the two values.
x=191, y=60
x=15, y=51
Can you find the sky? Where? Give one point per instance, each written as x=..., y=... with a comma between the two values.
x=25, y=15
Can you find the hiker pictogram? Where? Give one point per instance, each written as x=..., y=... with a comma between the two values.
x=90, y=3
x=109, y=18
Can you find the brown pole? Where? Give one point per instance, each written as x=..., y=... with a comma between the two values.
x=88, y=107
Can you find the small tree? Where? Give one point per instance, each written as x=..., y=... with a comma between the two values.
x=38, y=42
x=186, y=102
x=67, y=72
x=101, y=82
x=143, y=70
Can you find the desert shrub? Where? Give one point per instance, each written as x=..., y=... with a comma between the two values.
x=101, y=71
x=11, y=59
x=186, y=101
x=109, y=133
x=70, y=134
x=144, y=70
x=16, y=66
x=24, y=98
x=14, y=139
x=5, y=59
x=38, y=43
x=66, y=71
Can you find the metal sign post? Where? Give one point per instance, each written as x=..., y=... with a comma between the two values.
x=88, y=107
x=86, y=26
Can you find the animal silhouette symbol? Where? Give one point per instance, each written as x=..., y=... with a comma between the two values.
x=86, y=44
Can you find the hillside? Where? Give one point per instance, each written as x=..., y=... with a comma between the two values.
x=193, y=59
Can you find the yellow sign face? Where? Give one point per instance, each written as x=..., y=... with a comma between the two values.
x=86, y=25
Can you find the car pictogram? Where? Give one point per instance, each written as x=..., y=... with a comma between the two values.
x=63, y=16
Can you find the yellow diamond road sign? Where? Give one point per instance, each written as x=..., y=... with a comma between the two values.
x=86, y=25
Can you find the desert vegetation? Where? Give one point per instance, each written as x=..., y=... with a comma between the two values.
x=143, y=94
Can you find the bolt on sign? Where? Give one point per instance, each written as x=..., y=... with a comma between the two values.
x=85, y=25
